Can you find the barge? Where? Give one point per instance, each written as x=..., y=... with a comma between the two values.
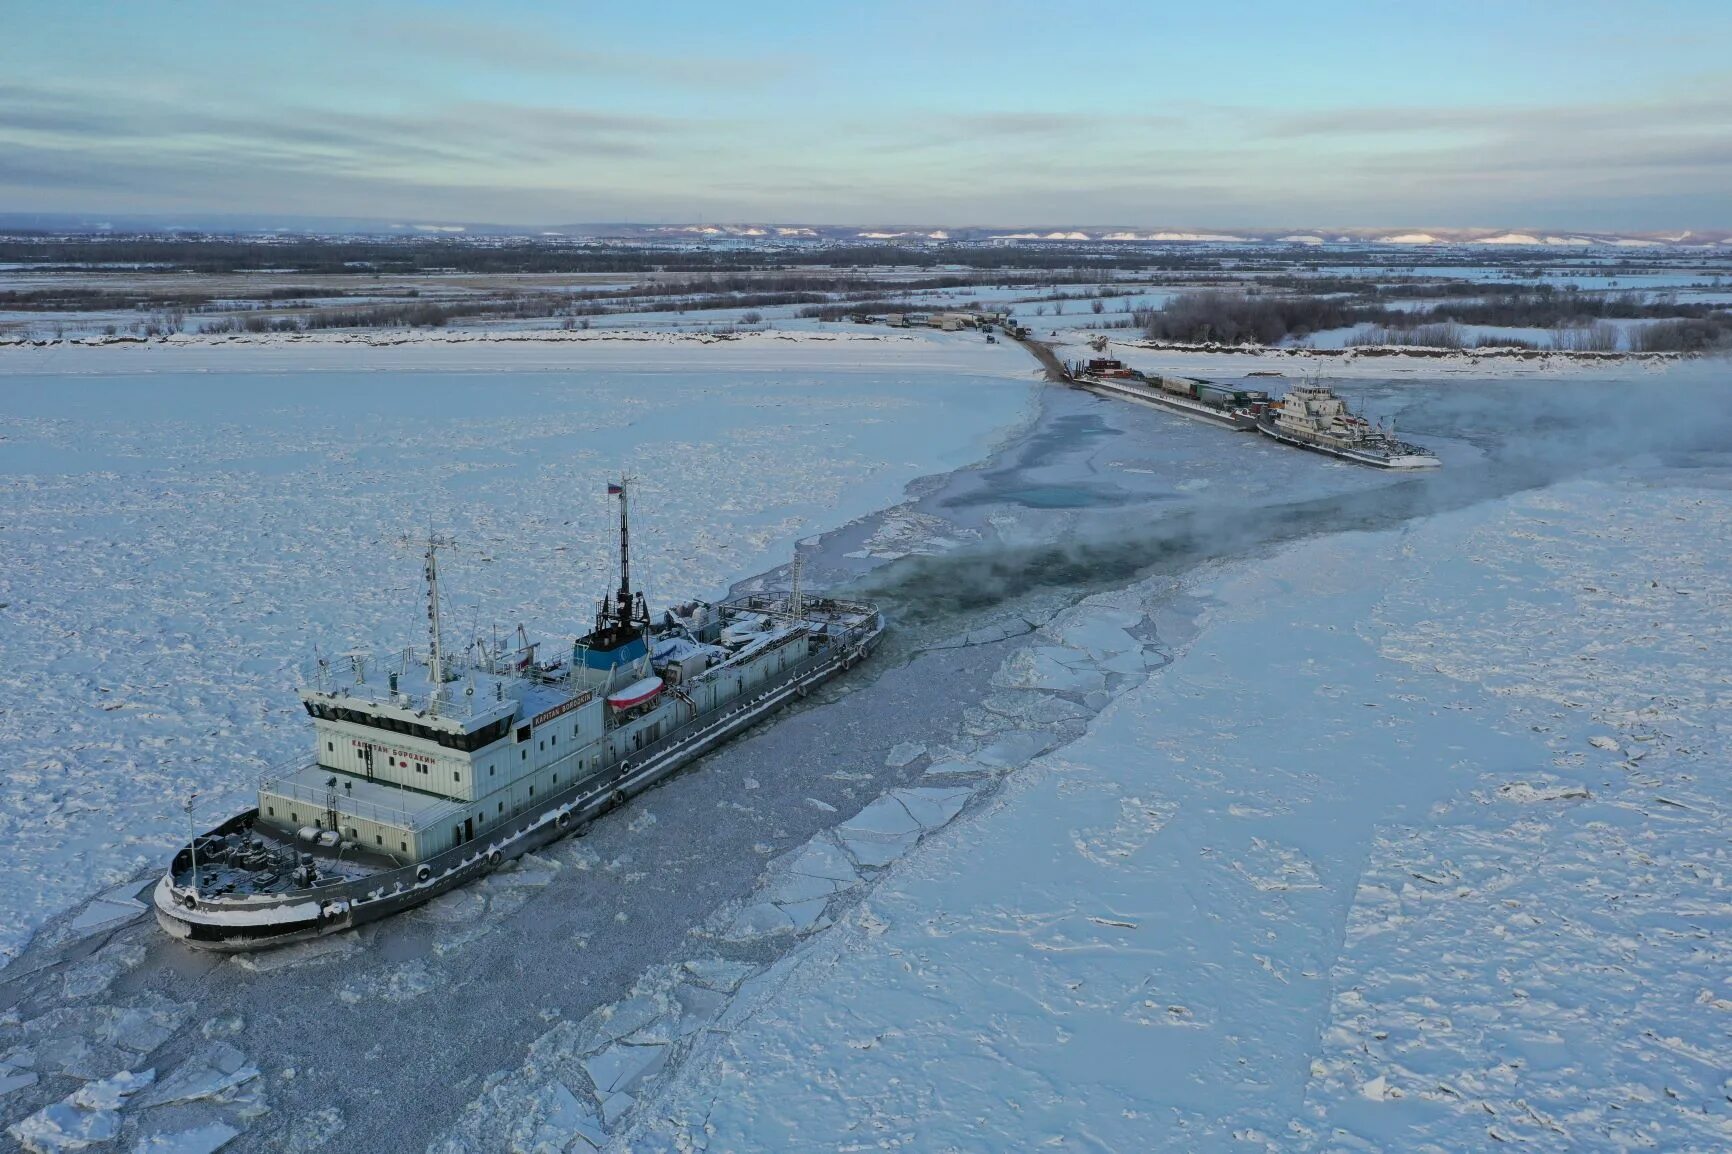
x=1223, y=405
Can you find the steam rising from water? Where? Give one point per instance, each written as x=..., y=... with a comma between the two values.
x=1531, y=434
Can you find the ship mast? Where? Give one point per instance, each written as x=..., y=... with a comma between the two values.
x=621, y=616
x=436, y=647
x=623, y=597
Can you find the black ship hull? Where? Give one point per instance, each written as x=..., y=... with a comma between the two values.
x=315, y=912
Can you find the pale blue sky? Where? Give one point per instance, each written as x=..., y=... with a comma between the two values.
x=1569, y=115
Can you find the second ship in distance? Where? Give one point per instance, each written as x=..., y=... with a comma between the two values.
x=1310, y=416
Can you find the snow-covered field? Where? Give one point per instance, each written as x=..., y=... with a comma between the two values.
x=181, y=523
x=1417, y=844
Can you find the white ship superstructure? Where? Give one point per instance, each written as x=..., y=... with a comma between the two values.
x=430, y=768
x=1313, y=417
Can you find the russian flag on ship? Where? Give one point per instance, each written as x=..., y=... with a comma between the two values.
x=614, y=490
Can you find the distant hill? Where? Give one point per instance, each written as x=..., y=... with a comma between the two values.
x=255, y=224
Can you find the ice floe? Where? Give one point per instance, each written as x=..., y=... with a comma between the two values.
x=87, y=1116
x=217, y=1074
x=904, y=753
x=205, y=1139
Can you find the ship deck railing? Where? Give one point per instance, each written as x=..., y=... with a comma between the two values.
x=584, y=792
x=455, y=705
x=281, y=783
x=778, y=603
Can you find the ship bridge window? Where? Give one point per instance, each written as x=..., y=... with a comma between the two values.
x=523, y=732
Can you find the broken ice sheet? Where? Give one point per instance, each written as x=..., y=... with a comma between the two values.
x=1014, y=748
x=90, y=1114
x=94, y=974
x=564, y=1120
x=614, y=1106
x=1033, y=707
x=103, y=914
x=880, y=833
x=17, y=1069
x=903, y=753
x=822, y=858
x=758, y=920
x=1099, y=630
x=932, y=806
x=718, y=973
x=210, y=1075
x=623, y=1066
x=955, y=769
x=1050, y=667
x=206, y=1139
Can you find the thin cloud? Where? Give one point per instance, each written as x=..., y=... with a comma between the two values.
x=547, y=48
x=1489, y=120
x=476, y=136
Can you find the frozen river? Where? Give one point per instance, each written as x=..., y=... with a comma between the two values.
x=173, y=543
x=1098, y=845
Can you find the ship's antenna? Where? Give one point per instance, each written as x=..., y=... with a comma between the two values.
x=436, y=656
x=192, y=837
x=795, y=603
x=624, y=547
